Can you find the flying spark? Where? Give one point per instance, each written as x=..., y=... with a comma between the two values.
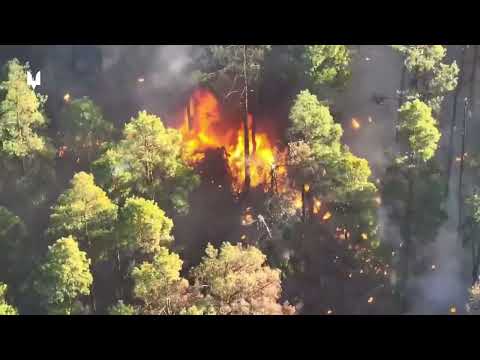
x=370, y=300
x=66, y=97
x=355, y=124
x=327, y=215
x=364, y=236
x=141, y=80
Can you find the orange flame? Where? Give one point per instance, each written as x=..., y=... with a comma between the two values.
x=327, y=215
x=355, y=124
x=203, y=129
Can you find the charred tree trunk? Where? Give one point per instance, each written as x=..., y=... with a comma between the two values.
x=460, y=177
x=453, y=124
x=246, y=135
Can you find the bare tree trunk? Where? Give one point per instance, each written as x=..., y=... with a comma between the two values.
x=460, y=178
x=407, y=243
x=453, y=124
x=246, y=134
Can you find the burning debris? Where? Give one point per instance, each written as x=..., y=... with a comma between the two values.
x=327, y=216
x=355, y=124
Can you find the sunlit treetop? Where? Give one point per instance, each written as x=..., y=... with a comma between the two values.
x=237, y=280
x=63, y=276
x=148, y=161
x=422, y=58
x=84, y=211
x=312, y=122
x=5, y=308
x=144, y=226
x=21, y=113
x=328, y=64
x=418, y=126
x=159, y=286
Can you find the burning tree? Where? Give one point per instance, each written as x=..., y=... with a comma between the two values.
x=240, y=66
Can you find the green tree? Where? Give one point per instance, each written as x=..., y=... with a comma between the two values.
x=159, y=285
x=5, y=308
x=433, y=79
x=63, y=276
x=121, y=309
x=85, y=212
x=144, y=226
x=12, y=242
x=324, y=170
x=328, y=64
x=419, y=128
x=420, y=136
x=312, y=122
x=84, y=128
x=237, y=280
x=21, y=114
x=148, y=162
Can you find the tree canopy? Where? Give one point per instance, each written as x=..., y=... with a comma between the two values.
x=148, y=162
x=21, y=113
x=85, y=212
x=63, y=276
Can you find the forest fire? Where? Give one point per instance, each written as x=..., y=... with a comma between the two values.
x=203, y=128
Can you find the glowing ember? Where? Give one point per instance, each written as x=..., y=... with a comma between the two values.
x=364, y=236
x=298, y=201
x=66, y=97
x=247, y=219
x=243, y=237
x=370, y=300
x=203, y=128
x=317, y=204
x=327, y=215
x=355, y=124
x=306, y=188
